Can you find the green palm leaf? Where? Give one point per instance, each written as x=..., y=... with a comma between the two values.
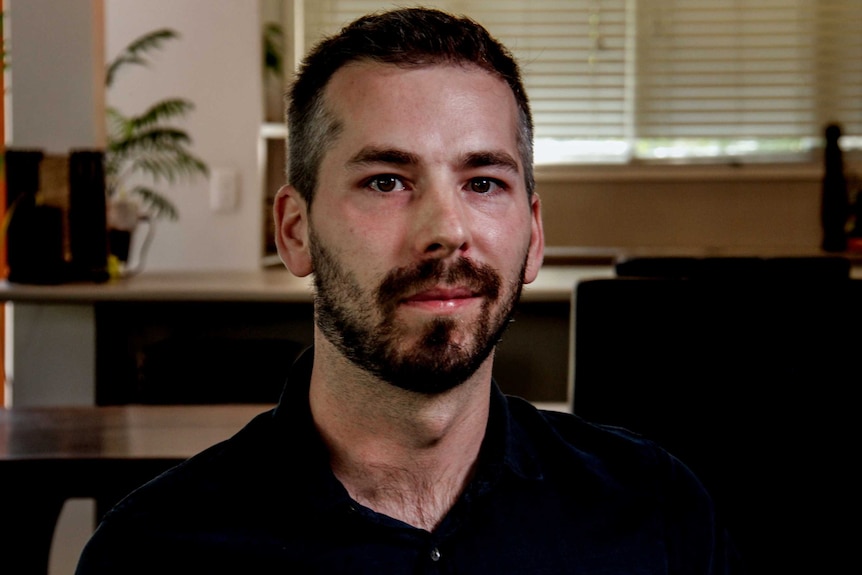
x=134, y=52
x=161, y=111
x=155, y=203
x=148, y=144
x=169, y=166
x=273, y=48
x=154, y=139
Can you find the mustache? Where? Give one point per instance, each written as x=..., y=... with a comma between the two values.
x=402, y=282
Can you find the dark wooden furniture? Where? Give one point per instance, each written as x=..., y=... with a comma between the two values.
x=51, y=454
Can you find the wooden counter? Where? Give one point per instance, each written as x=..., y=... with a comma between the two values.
x=273, y=285
x=263, y=285
x=72, y=341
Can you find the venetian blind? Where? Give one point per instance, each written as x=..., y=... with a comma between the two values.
x=620, y=78
x=572, y=54
x=756, y=69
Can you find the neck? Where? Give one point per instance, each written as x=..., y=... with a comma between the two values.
x=405, y=454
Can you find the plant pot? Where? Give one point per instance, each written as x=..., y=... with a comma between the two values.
x=124, y=219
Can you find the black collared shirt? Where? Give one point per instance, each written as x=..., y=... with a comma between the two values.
x=552, y=494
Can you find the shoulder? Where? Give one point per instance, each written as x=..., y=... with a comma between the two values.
x=626, y=474
x=613, y=451
x=609, y=476
x=610, y=464
x=225, y=464
x=185, y=506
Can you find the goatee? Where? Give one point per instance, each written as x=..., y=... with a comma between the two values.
x=364, y=328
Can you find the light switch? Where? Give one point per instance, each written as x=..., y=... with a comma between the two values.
x=224, y=190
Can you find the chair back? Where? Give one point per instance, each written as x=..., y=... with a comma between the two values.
x=748, y=379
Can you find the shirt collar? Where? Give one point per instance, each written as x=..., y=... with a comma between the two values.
x=505, y=448
x=319, y=487
x=506, y=445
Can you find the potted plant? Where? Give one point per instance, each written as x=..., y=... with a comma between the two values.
x=147, y=144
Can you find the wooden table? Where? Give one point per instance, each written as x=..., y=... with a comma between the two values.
x=51, y=454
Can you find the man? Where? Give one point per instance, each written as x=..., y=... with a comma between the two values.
x=392, y=450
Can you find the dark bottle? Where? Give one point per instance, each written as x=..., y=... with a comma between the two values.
x=88, y=230
x=34, y=231
x=835, y=204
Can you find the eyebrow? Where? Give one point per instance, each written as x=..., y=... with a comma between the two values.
x=490, y=159
x=394, y=156
x=371, y=155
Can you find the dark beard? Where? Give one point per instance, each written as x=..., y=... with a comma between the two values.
x=434, y=365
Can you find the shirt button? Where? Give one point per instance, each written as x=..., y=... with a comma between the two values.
x=435, y=554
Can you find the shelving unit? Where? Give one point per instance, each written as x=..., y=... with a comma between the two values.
x=272, y=152
x=273, y=132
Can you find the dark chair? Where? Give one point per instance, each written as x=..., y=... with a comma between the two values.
x=35, y=491
x=750, y=380
x=51, y=454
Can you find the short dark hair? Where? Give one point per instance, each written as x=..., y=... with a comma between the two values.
x=409, y=37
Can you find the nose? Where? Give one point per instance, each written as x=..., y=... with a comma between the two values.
x=441, y=222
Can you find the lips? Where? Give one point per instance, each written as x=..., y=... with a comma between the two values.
x=442, y=294
x=436, y=283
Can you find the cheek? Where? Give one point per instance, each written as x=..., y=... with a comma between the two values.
x=369, y=239
x=363, y=243
x=336, y=225
x=509, y=237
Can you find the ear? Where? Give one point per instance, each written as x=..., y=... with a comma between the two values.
x=290, y=211
x=536, y=251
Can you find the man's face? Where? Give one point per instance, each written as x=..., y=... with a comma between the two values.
x=421, y=232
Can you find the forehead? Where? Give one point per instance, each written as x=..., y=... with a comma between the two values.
x=440, y=106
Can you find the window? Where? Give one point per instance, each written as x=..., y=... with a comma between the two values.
x=624, y=80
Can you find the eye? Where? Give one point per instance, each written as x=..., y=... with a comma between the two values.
x=385, y=183
x=485, y=185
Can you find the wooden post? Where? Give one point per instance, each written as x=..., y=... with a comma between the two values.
x=2, y=204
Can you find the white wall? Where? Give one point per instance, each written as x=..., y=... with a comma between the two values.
x=56, y=92
x=216, y=63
